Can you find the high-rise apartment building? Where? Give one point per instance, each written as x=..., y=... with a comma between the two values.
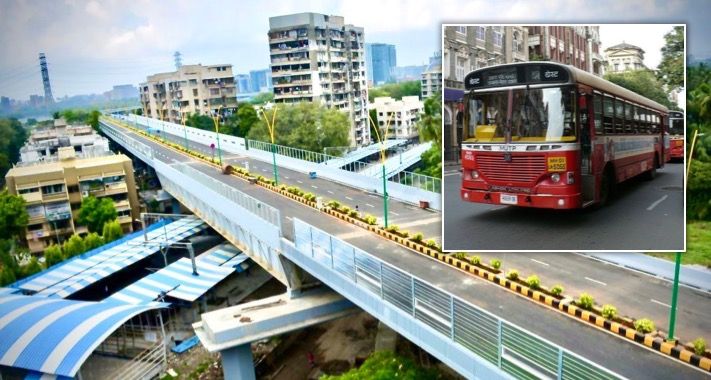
x=319, y=58
x=380, y=60
x=204, y=90
x=53, y=192
x=261, y=80
x=577, y=45
x=432, y=77
x=242, y=84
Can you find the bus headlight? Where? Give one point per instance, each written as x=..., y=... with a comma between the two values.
x=475, y=174
x=555, y=177
x=470, y=174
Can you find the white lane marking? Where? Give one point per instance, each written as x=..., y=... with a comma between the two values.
x=265, y=170
x=655, y=204
x=369, y=205
x=298, y=181
x=374, y=196
x=349, y=198
x=540, y=262
x=660, y=303
x=330, y=192
x=596, y=281
x=314, y=186
x=286, y=177
x=449, y=174
x=394, y=213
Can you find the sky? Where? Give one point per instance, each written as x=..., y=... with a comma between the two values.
x=93, y=45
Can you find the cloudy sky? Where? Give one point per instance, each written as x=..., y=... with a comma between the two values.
x=92, y=45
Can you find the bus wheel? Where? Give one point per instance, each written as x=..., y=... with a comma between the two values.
x=607, y=187
x=652, y=173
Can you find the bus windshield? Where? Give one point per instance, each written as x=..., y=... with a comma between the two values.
x=676, y=127
x=537, y=115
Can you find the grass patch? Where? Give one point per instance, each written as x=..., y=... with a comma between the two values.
x=698, y=245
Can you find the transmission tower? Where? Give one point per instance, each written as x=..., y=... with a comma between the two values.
x=48, y=98
x=178, y=59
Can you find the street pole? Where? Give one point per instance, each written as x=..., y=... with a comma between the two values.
x=385, y=196
x=677, y=261
x=276, y=171
x=270, y=128
x=217, y=133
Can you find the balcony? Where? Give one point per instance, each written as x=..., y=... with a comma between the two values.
x=33, y=197
x=282, y=73
x=293, y=83
x=55, y=197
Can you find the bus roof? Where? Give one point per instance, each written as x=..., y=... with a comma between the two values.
x=583, y=77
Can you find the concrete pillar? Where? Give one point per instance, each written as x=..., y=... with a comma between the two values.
x=176, y=206
x=237, y=363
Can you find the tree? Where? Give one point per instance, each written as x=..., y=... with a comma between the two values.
x=241, y=122
x=13, y=215
x=93, y=119
x=95, y=212
x=262, y=98
x=396, y=90
x=112, y=231
x=53, y=255
x=430, y=128
x=671, y=70
x=308, y=126
x=373, y=123
x=384, y=365
x=74, y=246
x=203, y=122
x=642, y=82
x=12, y=138
x=31, y=268
x=92, y=240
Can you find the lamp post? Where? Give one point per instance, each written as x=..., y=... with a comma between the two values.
x=382, y=162
x=270, y=128
x=216, y=119
x=677, y=260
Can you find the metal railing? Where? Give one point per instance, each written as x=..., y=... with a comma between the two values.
x=253, y=205
x=516, y=351
x=147, y=365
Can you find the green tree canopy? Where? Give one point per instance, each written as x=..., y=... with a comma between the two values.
x=309, y=126
x=203, y=122
x=73, y=246
x=12, y=138
x=385, y=365
x=644, y=83
x=262, y=98
x=396, y=90
x=94, y=212
x=240, y=122
x=93, y=240
x=53, y=255
x=430, y=128
x=93, y=119
x=112, y=231
x=13, y=215
x=671, y=69
x=32, y=267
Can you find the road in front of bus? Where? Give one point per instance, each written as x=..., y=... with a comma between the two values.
x=644, y=216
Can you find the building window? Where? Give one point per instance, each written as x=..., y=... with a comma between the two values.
x=498, y=39
x=28, y=191
x=461, y=29
x=53, y=189
x=481, y=33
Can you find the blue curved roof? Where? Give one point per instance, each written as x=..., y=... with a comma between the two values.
x=55, y=336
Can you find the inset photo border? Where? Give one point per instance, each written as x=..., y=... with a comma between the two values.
x=563, y=138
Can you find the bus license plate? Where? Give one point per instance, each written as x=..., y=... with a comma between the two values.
x=509, y=199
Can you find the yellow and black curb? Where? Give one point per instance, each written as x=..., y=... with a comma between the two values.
x=655, y=343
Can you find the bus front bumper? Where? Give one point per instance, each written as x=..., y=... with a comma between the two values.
x=571, y=201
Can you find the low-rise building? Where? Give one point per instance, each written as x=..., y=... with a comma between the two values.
x=53, y=192
x=624, y=57
x=44, y=142
x=401, y=116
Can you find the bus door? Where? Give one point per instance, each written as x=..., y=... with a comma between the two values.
x=587, y=125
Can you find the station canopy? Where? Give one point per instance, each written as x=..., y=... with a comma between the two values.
x=67, y=278
x=55, y=336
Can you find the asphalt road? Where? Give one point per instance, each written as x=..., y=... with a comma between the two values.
x=633, y=293
x=625, y=358
x=644, y=216
x=405, y=215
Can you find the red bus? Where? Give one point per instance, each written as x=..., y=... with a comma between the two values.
x=676, y=135
x=548, y=135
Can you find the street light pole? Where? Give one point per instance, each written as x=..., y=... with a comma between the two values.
x=217, y=133
x=270, y=128
x=677, y=261
x=382, y=162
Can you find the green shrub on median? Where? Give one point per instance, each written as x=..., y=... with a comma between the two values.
x=431, y=243
x=533, y=282
x=418, y=237
x=586, y=301
x=353, y=214
x=495, y=263
x=370, y=219
x=644, y=325
x=699, y=346
x=460, y=255
x=475, y=260
x=609, y=311
x=557, y=290
x=512, y=275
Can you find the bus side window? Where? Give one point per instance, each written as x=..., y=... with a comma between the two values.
x=608, y=116
x=619, y=117
x=653, y=123
x=597, y=107
x=640, y=123
x=629, y=123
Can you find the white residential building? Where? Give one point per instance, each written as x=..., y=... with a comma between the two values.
x=44, y=142
x=401, y=116
x=319, y=58
x=624, y=57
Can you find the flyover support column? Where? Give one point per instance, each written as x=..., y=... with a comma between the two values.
x=238, y=363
